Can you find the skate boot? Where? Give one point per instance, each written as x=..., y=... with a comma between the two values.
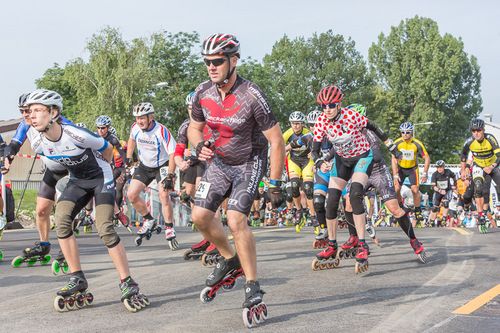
x=223, y=276
x=326, y=259
x=362, y=258
x=124, y=220
x=131, y=297
x=197, y=250
x=315, y=225
x=254, y=310
x=481, y=224
x=74, y=295
x=419, y=250
x=32, y=255
x=370, y=229
x=211, y=255
x=299, y=220
x=348, y=249
x=321, y=240
x=146, y=231
x=170, y=238
x=59, y=264
x=87, y=223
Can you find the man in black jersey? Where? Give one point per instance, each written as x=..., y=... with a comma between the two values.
x=442, y=186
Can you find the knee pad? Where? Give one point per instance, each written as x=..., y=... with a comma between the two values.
x=319, y=203
x=309, y=190
x=446, y=203
x=104, y=224
x=332, y=204
x=64, y=219
x=478, y=187
x=435, y=209
x=288, y=194
x=356, y=196
x=295, y=187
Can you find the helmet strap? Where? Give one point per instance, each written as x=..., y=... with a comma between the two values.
x=230, y=72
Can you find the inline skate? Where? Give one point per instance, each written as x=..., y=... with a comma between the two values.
x=348, y=249
x=170, y=237
x=74, y=295
x=197, y=250
x=211, y=255
x=326, y=259
x=419, y=250
x=131, y=297
x=31, y=255
x=254, y=309
x=224, y=276
x=59, y=264
x=362, y=258
x=146, y=231
x=321, y=240
x=299, y=220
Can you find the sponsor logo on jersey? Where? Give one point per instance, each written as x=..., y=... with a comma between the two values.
x=71, y=162
x=261, y=99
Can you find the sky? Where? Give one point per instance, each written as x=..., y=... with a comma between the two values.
x=36, y=34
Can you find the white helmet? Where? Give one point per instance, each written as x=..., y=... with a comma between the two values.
x=103, y=121
x=143, y=109
x=297, y=116
x=45, y=97
x=312, y=116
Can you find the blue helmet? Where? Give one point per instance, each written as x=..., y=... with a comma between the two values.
x=406, y=127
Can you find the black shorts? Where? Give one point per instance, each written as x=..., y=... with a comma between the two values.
x=81, y=191
x=193, y=172
x=146, y=174
x=437, y=198
x=411, y=174
x=381, y=180
x=236, y=182
x=47, y=188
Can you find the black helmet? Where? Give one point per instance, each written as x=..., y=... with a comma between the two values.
x=440, y=163
x=476, y=124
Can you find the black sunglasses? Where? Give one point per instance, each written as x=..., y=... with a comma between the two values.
x=216, y=62
x=25, y=110
x=330, y=105
x=101, y=128
x=476, y=130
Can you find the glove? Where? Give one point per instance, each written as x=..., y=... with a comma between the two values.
x=168, y=182
x=318, y=163
x=275, y=193
x=295, y=144
x=393, y=148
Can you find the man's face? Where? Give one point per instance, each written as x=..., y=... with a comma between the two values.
x=331, y=110
x=440, y=169
x=218, y=66
x=297, y=126
x=143, y=121
x=406, y=135
x=478, y=134
x=102, y=131
x=40, y=116
x=25, y=112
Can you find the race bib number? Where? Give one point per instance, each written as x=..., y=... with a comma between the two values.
x=443, y=185
x=477, y=172
x=408, y=155
x=202, y=191
x=163, y=173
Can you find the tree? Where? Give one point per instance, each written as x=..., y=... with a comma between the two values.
x=425, y=76
x=297, y=69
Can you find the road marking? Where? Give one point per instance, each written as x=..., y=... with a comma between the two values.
x=462, y=231
x=479, y=301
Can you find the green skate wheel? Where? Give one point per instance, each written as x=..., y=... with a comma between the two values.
x=65, y=268
x=1, y=255
x=17, y=261
x=46, y=259
x=55, y=267
x=32, y=261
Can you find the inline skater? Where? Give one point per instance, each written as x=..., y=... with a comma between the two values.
x=46, y=193
x=155, y=146
x=242, y=122
x=407, y=166
x=443, y=190
x=353, y=161
x=86, y=156
x=485, y=159
x=299, y=167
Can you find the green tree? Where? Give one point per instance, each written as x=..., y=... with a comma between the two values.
x=425, y=76
x=298, y=68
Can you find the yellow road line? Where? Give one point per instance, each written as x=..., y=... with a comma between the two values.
x=462, y=231
x=479, y=301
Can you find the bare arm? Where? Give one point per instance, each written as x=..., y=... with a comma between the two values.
x=275, y=138
x=130, y=148
x=395, y=168
x=107, y=154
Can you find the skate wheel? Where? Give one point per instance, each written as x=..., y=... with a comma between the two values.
x=248, y=318
x=187, y=254
x=59, y=304
x=330, y=265
x=129, y=305
x=342, y=254
x=71, y=303
x=46, y=259
x=80, y=301
x=138, y=241
x=422, y=257
x=1, y=255
x=145, y=300
x=173, y=244
x=315, y=264
x=256, y=314
x=17, y=261
x=229, y=286
x=65, y=267
x=316, y=231
x=336, y=262
x=204, y=259
x=31, y=261
x=55, y=267
x=205, y=295
x=158, y=230
x=323, y=266
x=89, y=298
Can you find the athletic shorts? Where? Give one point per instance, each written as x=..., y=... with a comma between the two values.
x=189, y=176
x=300, y=168
x=344, y=168
x=146, y=174
x=381, y=180
x=236, y=182
x=47, y=188
x=411, y=174
x=321, y=180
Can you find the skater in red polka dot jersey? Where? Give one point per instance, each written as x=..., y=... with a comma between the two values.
x=353, y=161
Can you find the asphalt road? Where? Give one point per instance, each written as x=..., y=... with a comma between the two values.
x=398, y=293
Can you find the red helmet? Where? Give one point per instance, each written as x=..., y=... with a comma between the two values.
x=329, y=94
x=221, y=44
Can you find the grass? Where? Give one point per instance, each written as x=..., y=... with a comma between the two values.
x=29, y=200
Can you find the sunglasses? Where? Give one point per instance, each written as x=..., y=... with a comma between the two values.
x=330, y=105
x=101, y=128
x=407, y=132
x=476, y=130
x=216, y=62
x=25, y=110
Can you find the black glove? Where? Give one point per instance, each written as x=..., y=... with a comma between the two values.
x=200, y=146
x=275, y=193
x=295, y=144
x=393, y=149
x=193, y=160
x=168, y=182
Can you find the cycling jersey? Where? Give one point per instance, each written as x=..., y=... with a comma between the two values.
x=237, y=122
x=409, y=152
x=297, y=154
x=118, y=152
x=154, y=145
x=78, y=150
x=442, y=180
x=484, y=152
